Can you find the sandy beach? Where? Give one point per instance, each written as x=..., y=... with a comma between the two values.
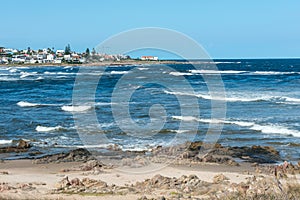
x=44, y=178
x=63, y=176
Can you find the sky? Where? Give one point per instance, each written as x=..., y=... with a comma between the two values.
x=226, y=29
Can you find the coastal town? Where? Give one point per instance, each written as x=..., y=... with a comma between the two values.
x=59, y=56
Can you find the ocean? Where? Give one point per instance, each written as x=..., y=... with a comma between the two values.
x=262, y=105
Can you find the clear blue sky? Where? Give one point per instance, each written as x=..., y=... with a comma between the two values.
x=226, y=29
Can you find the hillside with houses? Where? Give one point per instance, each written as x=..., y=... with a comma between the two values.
x=51, y=56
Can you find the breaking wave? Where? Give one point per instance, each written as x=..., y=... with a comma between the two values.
x=275, y=99
x=5, y=141
x=48, y=129
x=268, y=128
x=27, y=104
x=76, y=108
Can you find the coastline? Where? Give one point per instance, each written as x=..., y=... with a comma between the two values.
x=104, y=63
x=78, y=175
x=21, y=179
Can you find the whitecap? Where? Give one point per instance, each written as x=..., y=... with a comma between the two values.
x=181, y=74
x=268, y=129
x=142, y=68
x=275, y=129
x=119, y=72
x=194, y=71
x=219, y=98
x=76, y=108
x=291, y=99
x=103, y=103
x=185, y=118
x=13, y=70
x=48, y=129
x=5, y=142
x=27, y=104
x=214, y=121
x=271, y=73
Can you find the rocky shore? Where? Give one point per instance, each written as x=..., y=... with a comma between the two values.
x=192, y=170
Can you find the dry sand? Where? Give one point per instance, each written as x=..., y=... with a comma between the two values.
x=44, y=177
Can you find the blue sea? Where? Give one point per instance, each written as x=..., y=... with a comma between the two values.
x=262, y=105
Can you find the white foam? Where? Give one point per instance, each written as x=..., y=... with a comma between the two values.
x=46, y=72
x=26, y=74
x=103, y=103
x=39, y=78
x=272, y=73
x=48, y=129
x=76, y=108
x=119, y=72
x=268, y=129
x=290, y=99
x=214, y=121
x=142, y=68
x=276, y=99
x=181, y=74
x=181, y=131
x=185, y=118
x=27, y=104
x=194, y=71
x=209, y=97
x=5, y=141
x=13, y=70
x=68, y=67
x=275, y=129
x=227, y=62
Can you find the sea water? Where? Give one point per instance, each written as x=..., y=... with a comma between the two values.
x=262, y=105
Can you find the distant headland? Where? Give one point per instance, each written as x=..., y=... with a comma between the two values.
x=50, y=56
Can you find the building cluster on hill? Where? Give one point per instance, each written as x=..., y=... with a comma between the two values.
x=49, y=55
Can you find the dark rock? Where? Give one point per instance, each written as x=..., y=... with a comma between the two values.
x=23, y=144
x=77, y=155
x=76, y=182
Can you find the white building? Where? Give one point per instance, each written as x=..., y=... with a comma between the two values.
x=60, y=51
x=149, y=58
x=50, y=57
x=67, y=57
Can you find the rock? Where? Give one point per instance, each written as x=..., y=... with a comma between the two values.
x=77, y=155
x=254, y=164
x=219, y=178
x=114, y=147
x=76, y=182
x=91, y=182
x=91, y=164
x=4, y=172
x=23, y=144
x=63, y=183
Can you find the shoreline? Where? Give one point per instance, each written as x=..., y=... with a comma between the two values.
x=104, y=63
x=22, y=179
x=77, y=175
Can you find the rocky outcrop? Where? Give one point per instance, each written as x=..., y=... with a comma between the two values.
x=187, y=187
x=23, y=146
x=77, y=155
x=216, y=153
